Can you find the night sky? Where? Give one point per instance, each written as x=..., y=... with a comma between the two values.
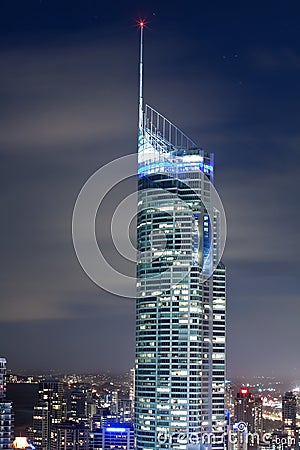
x=227, y=73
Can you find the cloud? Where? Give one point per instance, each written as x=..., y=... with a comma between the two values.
x=82, y=91
x=254, y=339
x=263, y=217
x=276, y=60
x=103, y=343
x=65, y=95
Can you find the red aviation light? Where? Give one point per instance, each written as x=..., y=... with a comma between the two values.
x=244, y=391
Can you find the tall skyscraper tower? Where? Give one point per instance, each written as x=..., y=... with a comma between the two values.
x=6, y=414
x=289, y=410
x=248, y=409
x=2, y=379
x=180, y=306
x=51, y=410
x=69, y=435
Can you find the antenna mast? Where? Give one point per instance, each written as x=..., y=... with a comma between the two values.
x=141, y=24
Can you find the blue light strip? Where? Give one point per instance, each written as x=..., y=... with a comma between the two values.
x=206, y=244
x=116, y=430
x=165, y=166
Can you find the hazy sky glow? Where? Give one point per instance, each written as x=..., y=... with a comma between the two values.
x=225, y=73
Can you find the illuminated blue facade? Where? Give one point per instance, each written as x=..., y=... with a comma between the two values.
x=180, y=307
x=113, y=436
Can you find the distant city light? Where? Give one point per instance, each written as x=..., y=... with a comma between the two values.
x=21, y=442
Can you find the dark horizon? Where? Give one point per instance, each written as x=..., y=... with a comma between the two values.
x=228, y=76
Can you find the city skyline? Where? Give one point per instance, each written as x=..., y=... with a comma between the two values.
x=70, y=86
x=267, y=408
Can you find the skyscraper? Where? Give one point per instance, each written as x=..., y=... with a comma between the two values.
x=248, y=409
x=2, y=379
x=39, y=432
x=289, y=410
x=51, y=409
x=6, y=414
x=69, y=435
x=180, y=306
x=112, y=436
x=132, y=391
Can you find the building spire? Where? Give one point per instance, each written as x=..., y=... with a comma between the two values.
x=141, y=25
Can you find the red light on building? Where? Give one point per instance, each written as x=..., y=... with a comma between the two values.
x=244, y=391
